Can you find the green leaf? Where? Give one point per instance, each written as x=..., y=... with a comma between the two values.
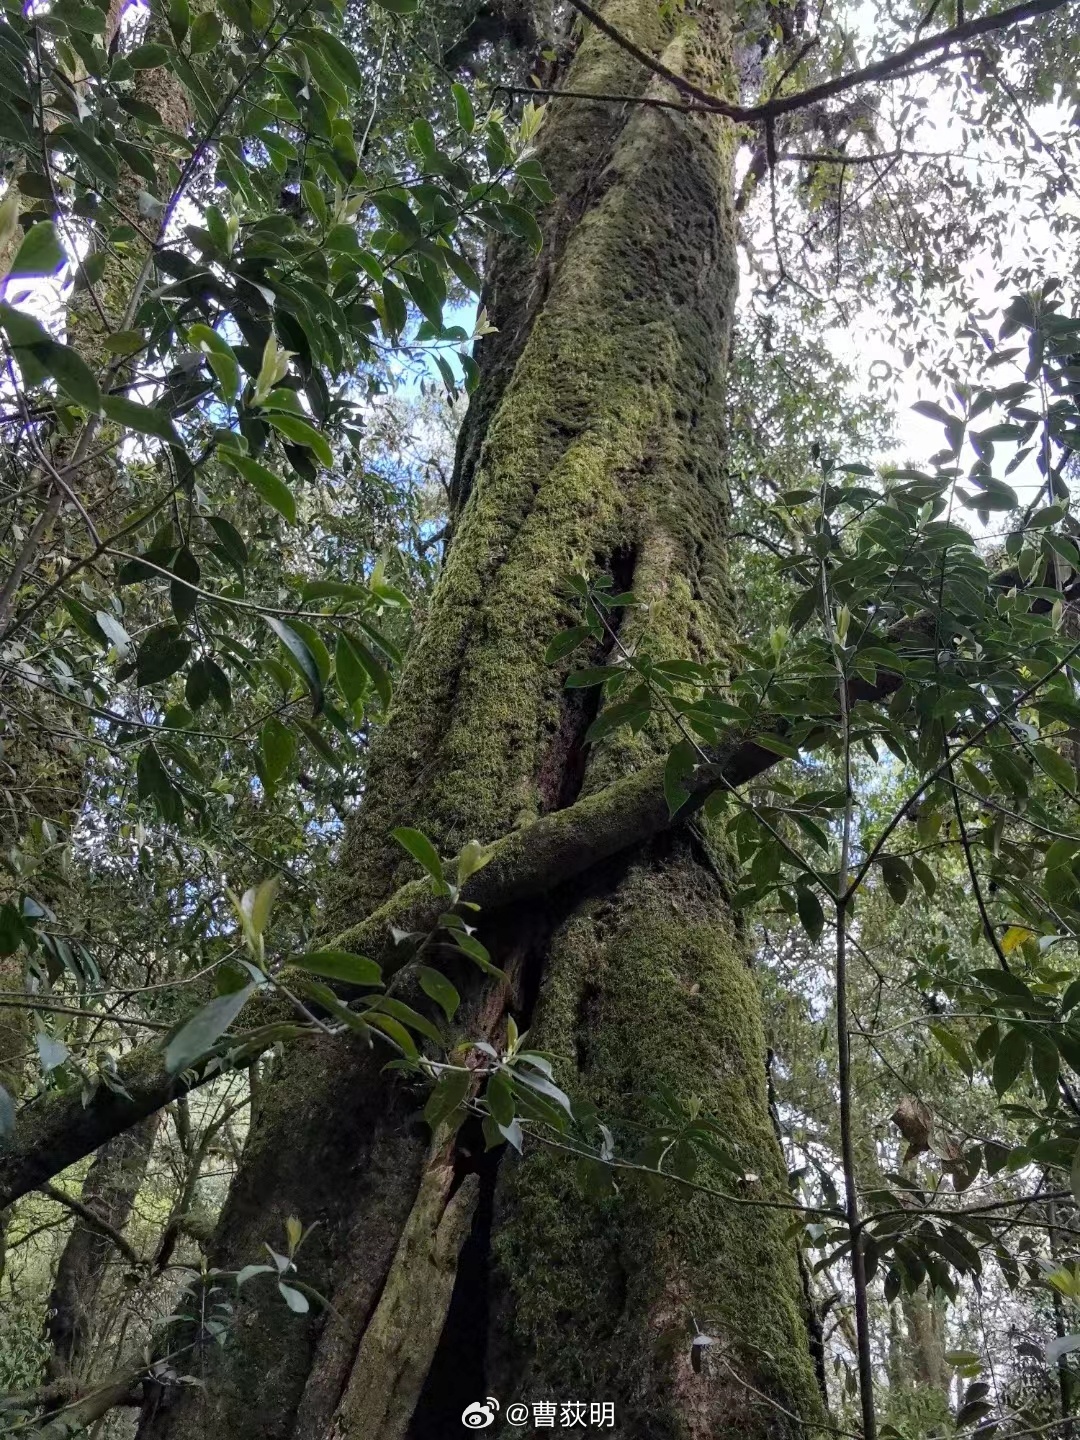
x=153, y=783
x=396, y=1031
x=319, y=743
x=40, y=252
x=313, y=640
x=388, y=1005
x=421, y=849
x=22, y=330
x=471, y=858
x=296, y=1300
x=198, y=1034
x=362, y=659
x=500, y=1098
x=268, y=486
x=1056, y=766
x=179, y=17
x=125, y=342
x=230, y=540
x=257, y=904
x=221, y=358
x=144, y=418
x=341, y=965
x=424, y=298
x=161, y=653
x=811, y=915
x=85, y=620
x=926, y=877
x=339, y=56
x=206, y=679
x=933, y=411
x=1011, y=987
x=626, y=712
x=248, y=1272
x=1010, y=1059
x=1044, y=1063
x=563, y=644
x=394, y=308
x=463, y=107
x=1071, y=998
x=352, y=676
x=73, y=375
x=118, y=637
x=448, y=1097
x=205, y=32
x=300, y=658
x=300, y=432
x=278, y=744
x=953, y=1047
x=680, y=764
x=464, y=272
x=522, y=222
x=333, y=590
x=438, y=988
x=897, y=877
x=148, y=57
x=543, y=1086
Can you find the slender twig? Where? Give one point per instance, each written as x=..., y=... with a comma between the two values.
x=12, y=999
x=844, y=896
x=806, y=1424
x=965, y=845
x=747, y=1200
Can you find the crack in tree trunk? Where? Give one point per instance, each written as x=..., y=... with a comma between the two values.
x=399, y=1340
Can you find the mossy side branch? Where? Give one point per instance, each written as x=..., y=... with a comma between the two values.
x=55, y=1131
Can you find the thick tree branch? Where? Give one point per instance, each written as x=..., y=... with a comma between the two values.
x=885, y=69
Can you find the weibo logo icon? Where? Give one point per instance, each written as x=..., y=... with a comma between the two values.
x=480, y=1414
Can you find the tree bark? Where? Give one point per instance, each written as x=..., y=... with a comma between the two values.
x=594, y=442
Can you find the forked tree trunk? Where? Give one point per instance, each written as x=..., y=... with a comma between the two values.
x=594, y=442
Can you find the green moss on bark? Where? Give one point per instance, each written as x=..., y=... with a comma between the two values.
x=606, y=439
x=648, y=986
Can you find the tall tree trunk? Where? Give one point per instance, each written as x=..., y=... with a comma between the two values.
x=109, y=1190
x=595, y=441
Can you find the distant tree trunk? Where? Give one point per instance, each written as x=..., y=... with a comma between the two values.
x=595, y=441
x=109, y=1190
x=925, y=1321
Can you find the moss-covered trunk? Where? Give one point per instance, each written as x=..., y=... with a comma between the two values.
x=595, y=442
